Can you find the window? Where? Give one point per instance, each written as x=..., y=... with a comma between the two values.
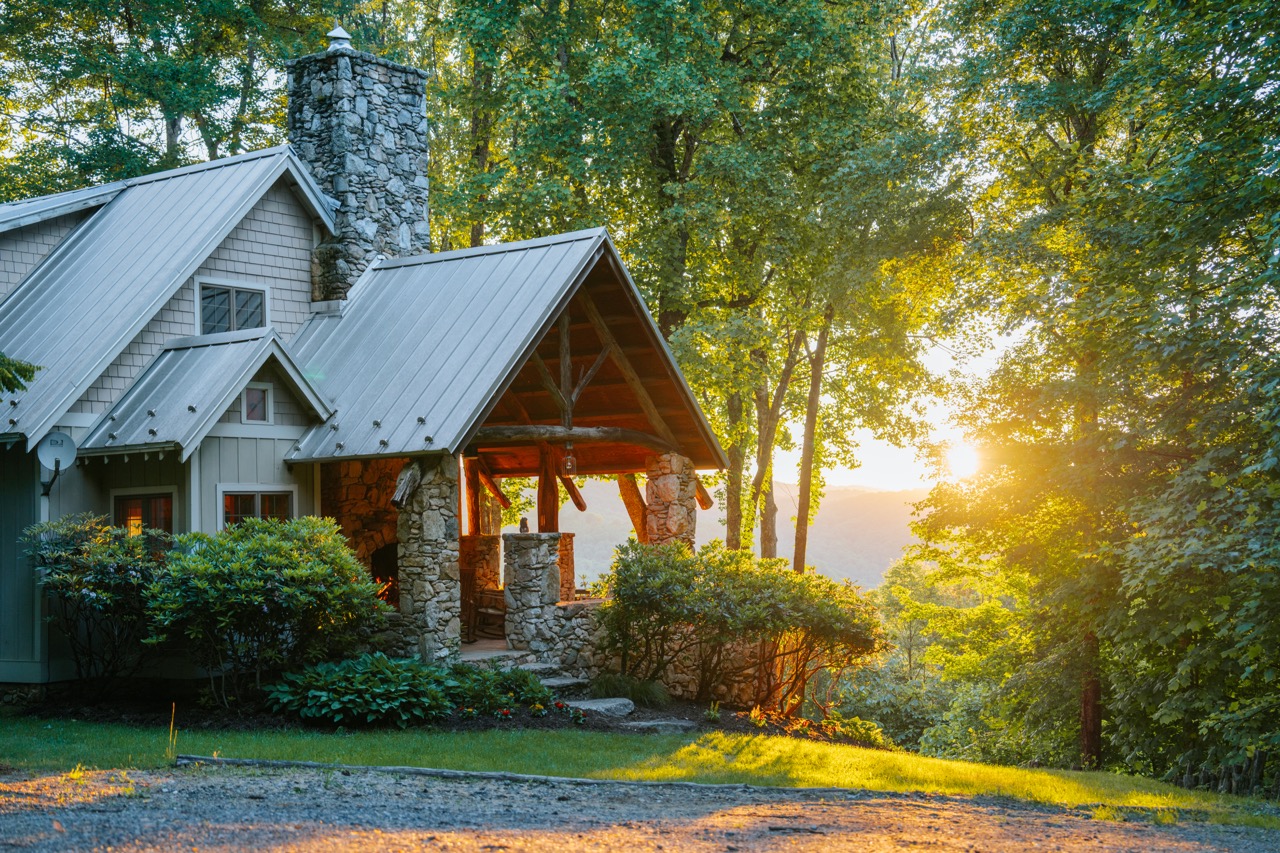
x=136, y=512
x=237, y=506
x=255, y=403
x=227, y=309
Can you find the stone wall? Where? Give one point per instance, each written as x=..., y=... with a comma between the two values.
x=430, y=625
x=485, y=554
x=563, y=632
x=568, y=592
x=358, y=496
x=671, y=495
x=22, y=695
x=359, y=123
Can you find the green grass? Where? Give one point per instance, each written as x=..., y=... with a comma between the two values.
x=61, y=745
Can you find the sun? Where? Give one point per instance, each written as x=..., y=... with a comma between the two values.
x=962, y=460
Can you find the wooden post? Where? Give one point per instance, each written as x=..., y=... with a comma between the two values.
x=629, y=490
x=548, y=494
x=471, y=476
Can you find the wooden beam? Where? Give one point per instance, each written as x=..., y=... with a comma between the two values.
x=628, y=371
x=548, y=495
x=574, y=495
x=636, y=507
x=486, y=477
x=591, y=373
x=471, y=480
x=566, y=371
x=704, y=497
x=552, y=388
x=499, y=435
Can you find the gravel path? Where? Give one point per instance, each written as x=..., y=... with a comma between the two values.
x=224, y=808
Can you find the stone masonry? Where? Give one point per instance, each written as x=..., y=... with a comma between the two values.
x=671, y=495
x=357, y=495
x=484, y=553
x=430, y=589
x=359, y=123
x=568, y=589
x=555, y=631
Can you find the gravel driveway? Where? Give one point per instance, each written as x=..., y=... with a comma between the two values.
x=225, y=808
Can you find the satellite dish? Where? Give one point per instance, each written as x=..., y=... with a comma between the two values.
x=56, y=451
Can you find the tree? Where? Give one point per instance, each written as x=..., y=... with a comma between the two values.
x=14, y=374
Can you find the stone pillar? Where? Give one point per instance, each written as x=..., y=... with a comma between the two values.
x=568, y=590
x=484, y=554
x=532, y=590
x=359, y=123
x=672, y=498
x=430, y=589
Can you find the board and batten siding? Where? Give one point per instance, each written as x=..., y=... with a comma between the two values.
x=243, y=461
x=22, y=248
x=22, y=629
x=286, y=409
x=271, y=248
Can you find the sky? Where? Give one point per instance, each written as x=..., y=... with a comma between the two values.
x=888, y=468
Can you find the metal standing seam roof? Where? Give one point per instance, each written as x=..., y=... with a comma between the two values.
x=78, y=309
x=183, y=393
x=19, y=214
x=424, y=344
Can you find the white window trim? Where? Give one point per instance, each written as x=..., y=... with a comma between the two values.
x=171, y=491
x=235, y=284
x=223, y=489
x=271, y=404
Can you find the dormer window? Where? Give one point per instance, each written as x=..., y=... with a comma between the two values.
x=255, y=403
x=229, y=308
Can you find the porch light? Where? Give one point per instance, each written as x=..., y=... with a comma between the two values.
x=569, y=464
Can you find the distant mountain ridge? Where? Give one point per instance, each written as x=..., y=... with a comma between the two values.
x=857, y=534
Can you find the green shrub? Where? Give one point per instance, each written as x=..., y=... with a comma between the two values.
x=98, y=576
x=647, y=694
x=263, y=595
x=374, y=690
x=726, y=615
x=371, y=690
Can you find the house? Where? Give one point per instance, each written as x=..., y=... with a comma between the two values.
x=268, y=335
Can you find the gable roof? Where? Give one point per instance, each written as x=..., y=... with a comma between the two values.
x=183, y=393
x=80, y=307
x=425, y=346
x=20, y=214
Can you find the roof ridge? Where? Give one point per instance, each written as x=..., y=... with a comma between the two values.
x=221, y=162
x=494, y=249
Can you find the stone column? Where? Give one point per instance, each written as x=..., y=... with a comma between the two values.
x=430, y=590
x=532, y=590
x=565, y=561
x=671, y=495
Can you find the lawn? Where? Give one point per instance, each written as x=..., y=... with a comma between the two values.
x=60, y=745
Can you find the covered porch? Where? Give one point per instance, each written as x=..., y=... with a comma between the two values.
x=558, y=373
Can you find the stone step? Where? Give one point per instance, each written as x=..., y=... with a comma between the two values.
x=670, y=726
x=541, y=669
x=607, y=707
x=563, y=682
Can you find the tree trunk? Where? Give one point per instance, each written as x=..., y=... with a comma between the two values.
x=817, y=361
x=769, y=524
x=768, y=416
x=737, y=454
x=1091, y=706
x=481, y=122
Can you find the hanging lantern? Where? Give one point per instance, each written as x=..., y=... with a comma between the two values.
x=569, y=464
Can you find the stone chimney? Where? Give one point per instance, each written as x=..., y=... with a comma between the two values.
x=359, y=123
